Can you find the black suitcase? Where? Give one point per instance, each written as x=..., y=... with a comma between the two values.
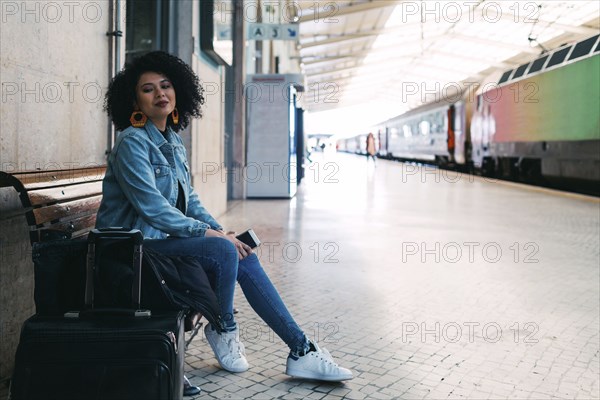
x=102, y=354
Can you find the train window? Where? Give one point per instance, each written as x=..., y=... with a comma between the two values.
x=415, y=128
x=425, y=128
x=505, y=77
x=583, y=48
x=520, y=71
x=407, y=131
x=558, y=57
x=439, y=123
x=597, y=48
x=537, y=65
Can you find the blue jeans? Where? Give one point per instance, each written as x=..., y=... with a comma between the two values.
x=219, y=258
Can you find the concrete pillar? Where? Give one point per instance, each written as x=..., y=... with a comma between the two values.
x=181, y=44
x=239, y=107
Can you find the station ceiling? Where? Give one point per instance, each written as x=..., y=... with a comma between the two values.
x=354, y=51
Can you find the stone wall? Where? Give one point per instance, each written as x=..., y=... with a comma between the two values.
x=54, y=71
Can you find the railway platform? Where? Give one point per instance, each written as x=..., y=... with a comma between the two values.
x=427, y=284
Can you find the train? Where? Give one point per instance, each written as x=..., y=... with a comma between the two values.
x=537, y=123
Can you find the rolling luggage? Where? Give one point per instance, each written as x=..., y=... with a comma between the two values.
x=102, y=353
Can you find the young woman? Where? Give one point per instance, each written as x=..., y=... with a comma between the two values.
x=148, y=186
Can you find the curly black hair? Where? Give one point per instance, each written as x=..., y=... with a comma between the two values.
x=121, y=95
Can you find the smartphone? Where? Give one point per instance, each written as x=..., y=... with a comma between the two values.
x=250, y=238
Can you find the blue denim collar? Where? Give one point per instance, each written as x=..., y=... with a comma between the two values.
x=157, y=138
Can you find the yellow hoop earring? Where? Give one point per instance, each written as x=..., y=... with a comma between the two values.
x=138, y=119
x=175, y=116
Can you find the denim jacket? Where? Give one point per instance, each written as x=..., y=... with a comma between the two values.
x=140, y=186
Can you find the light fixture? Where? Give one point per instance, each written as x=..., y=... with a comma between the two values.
x=533, y=42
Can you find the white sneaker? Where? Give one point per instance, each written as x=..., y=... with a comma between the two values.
x=228, y=349
x=316, y=364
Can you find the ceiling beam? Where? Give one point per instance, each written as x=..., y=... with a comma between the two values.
x=348, y=102
x=413, y=85
x=387, y=91
x=432, y=52
x=581, y=30
x=396, y=93
x=383, y=81
x=354, y=97
x=370, y=51
x=333, y=71
x=414, y=46
x=419, y=46
x=495, y=43
x=359, y=95
x=348, y=56
x=338, y=39
x=373, y=76
x=387, y=67
x=331, y=10
x=360, y=35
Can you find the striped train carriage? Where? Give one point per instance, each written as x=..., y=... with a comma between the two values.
x=433, y=133
x=540, y=120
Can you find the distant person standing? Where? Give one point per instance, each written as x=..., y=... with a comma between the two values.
x=371, y=148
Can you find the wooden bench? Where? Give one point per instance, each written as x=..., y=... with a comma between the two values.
x=62, y=204
x=59, y=204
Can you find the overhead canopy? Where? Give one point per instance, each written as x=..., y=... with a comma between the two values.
x=403, y=52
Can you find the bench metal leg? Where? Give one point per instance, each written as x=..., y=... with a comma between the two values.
x=193, y=332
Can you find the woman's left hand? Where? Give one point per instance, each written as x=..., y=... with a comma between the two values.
x=243, y=249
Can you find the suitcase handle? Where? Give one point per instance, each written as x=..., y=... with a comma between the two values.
x=114, y=233
x=108, y=312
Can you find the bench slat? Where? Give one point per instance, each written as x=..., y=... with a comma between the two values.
x=62, y=182
x=58, y=203
x=39, y=179
x=64, y=193
x=86, y=222
x=64, y=210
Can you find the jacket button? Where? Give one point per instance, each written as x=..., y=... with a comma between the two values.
x=157, y=170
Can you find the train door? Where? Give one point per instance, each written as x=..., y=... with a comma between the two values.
x=459, y=133
x=382, y=139
x=451, y=141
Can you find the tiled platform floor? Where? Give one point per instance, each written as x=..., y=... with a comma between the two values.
x=427, y=284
